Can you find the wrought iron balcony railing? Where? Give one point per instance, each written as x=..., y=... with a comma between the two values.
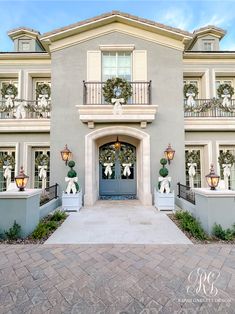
x=209, y=108
x=93, y=94
x=25, y=109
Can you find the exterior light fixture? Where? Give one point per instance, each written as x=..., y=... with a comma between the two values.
x=117, y=144
x=66, y=154
x=169, y=153
x=21, y=180
x=212, y=178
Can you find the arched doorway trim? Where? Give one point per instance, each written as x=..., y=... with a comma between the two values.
x=91, y=162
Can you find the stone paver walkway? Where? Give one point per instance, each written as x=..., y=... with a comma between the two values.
x=115, y=279
x=126, y=222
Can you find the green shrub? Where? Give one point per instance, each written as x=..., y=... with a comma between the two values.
x=190, y=224
x=14, y=232
x=223, y=234
x=51, y=225
x=58, y=215
x=40, y=232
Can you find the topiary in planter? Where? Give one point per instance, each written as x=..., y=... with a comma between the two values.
x=163, y=171
x=72, y=174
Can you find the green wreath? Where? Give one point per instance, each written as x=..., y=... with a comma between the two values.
x=127, y=156
x=9, y=89
x=226, y=158
x=43, y=89
x=225, y=89
x=42, y=160
x=7, y=160
x=107, y=156
x=116, y=83
x=192, y=157
x=190, y=88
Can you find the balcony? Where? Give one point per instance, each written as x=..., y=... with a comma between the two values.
x=210, y=114
x=138, y=108
x=24, y=115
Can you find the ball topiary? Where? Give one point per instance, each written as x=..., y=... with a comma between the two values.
x=163, y=161
x=163, y=172
x=72, y=173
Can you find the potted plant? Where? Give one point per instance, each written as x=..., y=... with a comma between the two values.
x=72, y=197
x=164, y=199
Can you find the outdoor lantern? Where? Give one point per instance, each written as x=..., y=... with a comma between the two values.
x=212, y=178
x=66, y=154
x=21, y=180
x=117, y=144
x=169, y=153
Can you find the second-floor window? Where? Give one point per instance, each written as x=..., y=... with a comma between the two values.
x=5, y=82
x=116, y=64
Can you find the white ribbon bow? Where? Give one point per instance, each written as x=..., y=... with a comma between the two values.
x=191, y=170
x=42, y=172
x=43, y=102
x=71, y=185
x=165, y=184
x=117, y=109
x=20, y=110
x=190, y=99
x=126, y=171
x=226, y=101
x=7, y=171
x=9, y=102
x=227, y=170
x=108, y=169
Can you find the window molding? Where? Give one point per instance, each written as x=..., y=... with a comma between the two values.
x=117, y=47
x=16, y=146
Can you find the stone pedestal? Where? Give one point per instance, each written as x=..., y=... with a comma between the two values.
x=163, y=201
x=22, y=207
x=72, y=202
x=215, y=207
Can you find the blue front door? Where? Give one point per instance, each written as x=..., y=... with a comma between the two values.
x=117, y=176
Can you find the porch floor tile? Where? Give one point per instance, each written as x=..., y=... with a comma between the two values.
x=118, y=222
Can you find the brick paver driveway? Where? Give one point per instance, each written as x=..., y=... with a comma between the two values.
x=117, y=279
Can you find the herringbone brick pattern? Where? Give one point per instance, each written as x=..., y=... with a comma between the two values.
x=114, y=279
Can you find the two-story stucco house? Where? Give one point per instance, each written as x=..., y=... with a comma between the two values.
x=51, y=95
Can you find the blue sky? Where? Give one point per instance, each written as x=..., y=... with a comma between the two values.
x=47, y=15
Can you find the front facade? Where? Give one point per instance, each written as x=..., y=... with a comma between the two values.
x=58, y=100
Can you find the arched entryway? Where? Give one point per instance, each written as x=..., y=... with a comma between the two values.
x=117, y=171
x=139, y=139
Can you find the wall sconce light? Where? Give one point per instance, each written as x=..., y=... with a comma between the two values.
x=66, y=154
x=117, y=144
x=169, y=153
x=212, y=178
x=21, y=180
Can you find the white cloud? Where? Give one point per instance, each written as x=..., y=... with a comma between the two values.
x=176, y=17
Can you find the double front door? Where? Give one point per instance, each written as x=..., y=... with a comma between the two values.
x=117, y=170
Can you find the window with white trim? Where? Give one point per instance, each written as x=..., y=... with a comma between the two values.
x=4, y=152
x=224, y=80
x=37, y=82
x=231, y=181
x=198, y=153
x=37, y=178
x=207, y=45
x=116, y=64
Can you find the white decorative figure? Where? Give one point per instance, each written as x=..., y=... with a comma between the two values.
x=7, y=174
x=190, y=99
x=108, y=168
x=43, y=175
x=127, y=171
x=20, y=110
x=71, y=185
x=43, y=103
x=191, y=172
x=226, y=101
x=117, y=109
x=165, y=184
x=227, y=173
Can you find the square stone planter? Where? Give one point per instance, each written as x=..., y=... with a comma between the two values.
x=163, y=201
x=72, y=202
